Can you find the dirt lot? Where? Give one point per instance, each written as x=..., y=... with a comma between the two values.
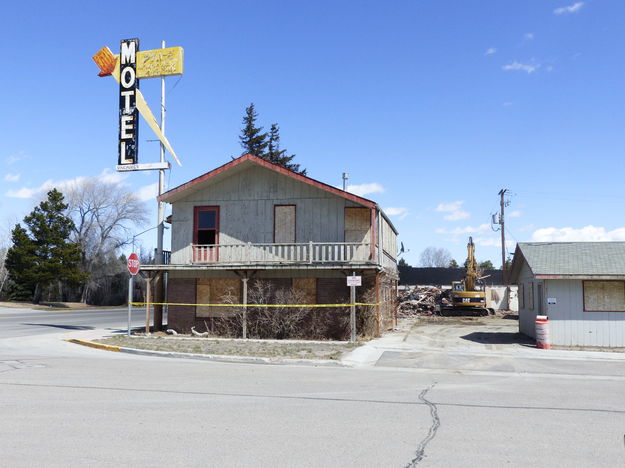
x=448, y=333
x=257, y=348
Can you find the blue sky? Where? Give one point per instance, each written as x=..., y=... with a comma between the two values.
x=431, y=106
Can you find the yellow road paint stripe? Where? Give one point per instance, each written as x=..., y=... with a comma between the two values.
x=91, y=344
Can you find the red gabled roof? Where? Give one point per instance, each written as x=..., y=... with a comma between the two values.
x=274, y=167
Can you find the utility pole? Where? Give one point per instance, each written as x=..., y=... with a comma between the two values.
x=160, y=283
x=502, y=205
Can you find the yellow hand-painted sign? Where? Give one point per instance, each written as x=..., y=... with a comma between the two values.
x=150, y=63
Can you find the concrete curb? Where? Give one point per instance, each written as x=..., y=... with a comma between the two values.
x=212, y=357
x=91, y=344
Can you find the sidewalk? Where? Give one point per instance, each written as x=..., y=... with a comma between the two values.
x=446, y=345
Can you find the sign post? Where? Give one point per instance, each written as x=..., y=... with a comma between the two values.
x=133, y=269
x=352, y=282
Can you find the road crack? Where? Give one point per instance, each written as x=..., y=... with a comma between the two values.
x=15, y=365
x=436, y=422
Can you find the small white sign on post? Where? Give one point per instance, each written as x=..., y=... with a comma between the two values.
x=354, y=281
x=552, y=300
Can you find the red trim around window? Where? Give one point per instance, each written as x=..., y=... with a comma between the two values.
x=211, y=254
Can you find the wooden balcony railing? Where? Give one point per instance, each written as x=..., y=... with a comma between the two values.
x=310, y=252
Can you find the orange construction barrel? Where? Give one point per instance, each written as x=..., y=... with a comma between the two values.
x=542, y=332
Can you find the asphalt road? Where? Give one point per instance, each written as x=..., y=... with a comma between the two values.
x=29, y=322
x=66, y=405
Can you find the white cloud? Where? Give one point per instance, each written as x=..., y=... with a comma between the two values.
x=401, y=213
x=569, y=9
x=464, y=230
x=25, y=192
x=528, y=36
x=492, y=242
x=365, y=189
x=515, y=214
x=518, y=66
x=588, y=233
x=490, y=51
x=507, y=104
x=148, y=192
x=12, y=177
x=454, y=209
x=13, y=158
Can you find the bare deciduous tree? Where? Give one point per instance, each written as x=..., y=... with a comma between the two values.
x=435, y=257
x=104, y=213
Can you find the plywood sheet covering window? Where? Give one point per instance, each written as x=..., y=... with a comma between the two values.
x=604, y=296
x=284, y=224
x=212, y=291
x=358, y=225
x=308, y=286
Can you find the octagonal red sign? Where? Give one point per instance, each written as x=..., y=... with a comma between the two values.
x=133, y=264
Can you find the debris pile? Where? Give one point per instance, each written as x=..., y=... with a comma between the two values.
x=422, y=300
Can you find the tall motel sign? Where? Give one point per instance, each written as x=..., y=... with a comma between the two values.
x=127, y=69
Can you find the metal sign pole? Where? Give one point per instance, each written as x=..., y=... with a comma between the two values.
x=352, y=312
x=161, y=180
x=130, y=286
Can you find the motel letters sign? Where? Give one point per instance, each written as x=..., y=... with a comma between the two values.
x=128, y=114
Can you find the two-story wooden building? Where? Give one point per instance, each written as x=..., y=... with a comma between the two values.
x=253, y=220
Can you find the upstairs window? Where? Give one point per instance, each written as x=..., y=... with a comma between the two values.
x=206, y=225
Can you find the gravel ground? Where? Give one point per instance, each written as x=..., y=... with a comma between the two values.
x=256, y=348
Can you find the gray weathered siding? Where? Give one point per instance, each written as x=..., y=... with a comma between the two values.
x=246, y=201
x=571, y=326
x=527, y=314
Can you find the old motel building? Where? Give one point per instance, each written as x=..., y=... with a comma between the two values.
x=580, y=286
x=251, y=220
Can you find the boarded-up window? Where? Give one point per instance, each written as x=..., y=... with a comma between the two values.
x=530, y=296
x=521, y=295
x=358, y=225
x=604, y=296
x=213, y=291
x=284, y=224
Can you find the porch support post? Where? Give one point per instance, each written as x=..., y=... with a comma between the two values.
x=245, y=279
x=148, y=299
x=158, y=299
x=377, y=308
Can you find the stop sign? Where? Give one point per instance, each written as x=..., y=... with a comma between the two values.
x=133, y=264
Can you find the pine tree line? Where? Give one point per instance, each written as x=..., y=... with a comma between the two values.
x=265, y=145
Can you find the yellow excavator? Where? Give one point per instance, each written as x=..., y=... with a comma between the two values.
x=468, y=296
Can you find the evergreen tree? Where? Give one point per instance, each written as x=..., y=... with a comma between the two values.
x=19, y=261
x=44, y=256
x=252, y=139
x=279, y=156
x=453, y=264
x=263, y=145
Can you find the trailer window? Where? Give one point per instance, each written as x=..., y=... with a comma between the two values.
x=604, y=296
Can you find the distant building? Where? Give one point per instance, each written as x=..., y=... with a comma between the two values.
x=580, y=286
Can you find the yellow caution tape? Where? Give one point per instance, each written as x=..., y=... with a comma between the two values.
x=255, y=305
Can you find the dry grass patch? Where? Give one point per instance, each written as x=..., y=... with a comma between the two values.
x=234, y=347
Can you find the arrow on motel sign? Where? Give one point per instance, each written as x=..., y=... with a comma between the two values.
x=146, y=64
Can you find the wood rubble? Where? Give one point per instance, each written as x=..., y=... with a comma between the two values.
x=422, y=300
